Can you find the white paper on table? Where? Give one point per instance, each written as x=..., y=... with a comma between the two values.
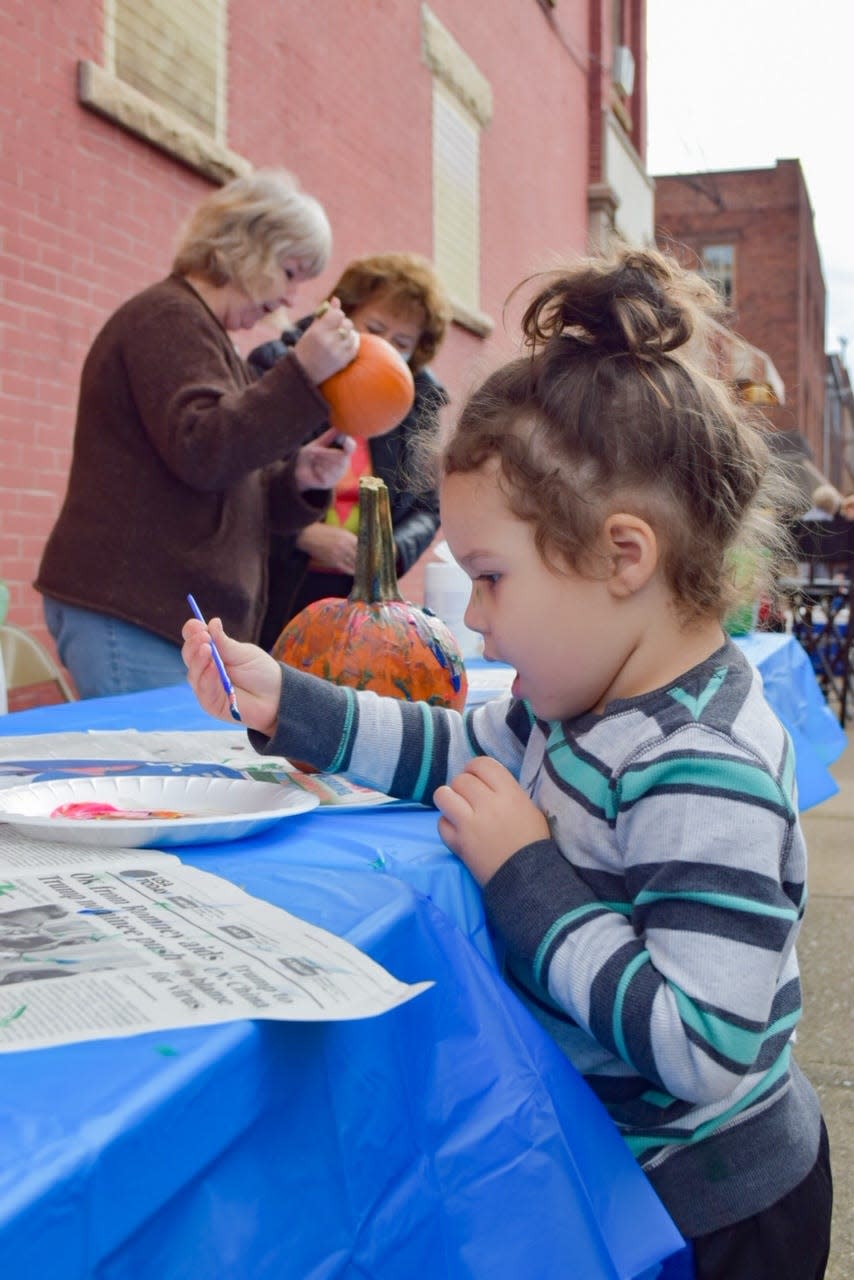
x=203, y=746
x=187, y=751
x=102, y=943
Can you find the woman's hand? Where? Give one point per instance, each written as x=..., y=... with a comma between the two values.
x=487, y=817
x=256, y=677
x=329, y=343
x=321, y=464
x=329, y=545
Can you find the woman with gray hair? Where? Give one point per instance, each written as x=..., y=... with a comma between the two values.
x=183, y=461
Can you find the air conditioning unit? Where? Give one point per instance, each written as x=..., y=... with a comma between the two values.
x=623, y=69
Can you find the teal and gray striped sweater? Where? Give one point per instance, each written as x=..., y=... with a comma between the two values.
x=653, y=933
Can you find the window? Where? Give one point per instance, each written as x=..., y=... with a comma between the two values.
x=163, y=79
x=718, y=263
x=173, y=52
x=623, y=62
x=456, y=197
x=462, y=106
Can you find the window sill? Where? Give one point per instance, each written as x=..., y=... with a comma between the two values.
x=621, y=111
x=131, y=110
x=469, y=318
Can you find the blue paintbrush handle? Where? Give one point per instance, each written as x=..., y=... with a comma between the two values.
x=218, y=662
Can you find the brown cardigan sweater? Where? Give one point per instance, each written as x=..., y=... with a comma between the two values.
x=182, y=464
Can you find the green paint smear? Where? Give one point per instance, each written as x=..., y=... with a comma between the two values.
x=10, y=1017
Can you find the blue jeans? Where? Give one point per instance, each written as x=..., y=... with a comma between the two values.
x=106, y=655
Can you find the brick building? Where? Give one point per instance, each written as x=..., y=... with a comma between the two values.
x=751, y=231
x=490, y=146
x=838, y=445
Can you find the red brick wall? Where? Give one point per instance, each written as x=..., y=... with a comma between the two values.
x=89, y=216
x=91, y=213
x=779, y=287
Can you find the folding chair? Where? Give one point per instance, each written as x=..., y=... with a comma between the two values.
x=821, y=600
x=28, y=668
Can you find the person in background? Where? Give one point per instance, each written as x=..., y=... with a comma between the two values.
x=629, y=806
x=827, y=499
x=398, y=297
x=183, y=461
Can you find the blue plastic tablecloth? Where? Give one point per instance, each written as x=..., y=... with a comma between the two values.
x=794, y=694
x=448, y=1138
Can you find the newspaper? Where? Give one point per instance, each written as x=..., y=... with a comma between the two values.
x=98, y=943
x=224, y=753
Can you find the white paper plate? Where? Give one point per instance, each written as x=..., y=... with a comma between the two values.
x=217, y=809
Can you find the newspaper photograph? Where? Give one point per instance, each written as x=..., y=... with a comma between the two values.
x=102, y=943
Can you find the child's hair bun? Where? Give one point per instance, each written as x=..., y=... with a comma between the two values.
x=636, y=302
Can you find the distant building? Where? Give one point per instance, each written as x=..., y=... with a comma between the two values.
x=838, y=445
x=620, y=193
x=751, y=233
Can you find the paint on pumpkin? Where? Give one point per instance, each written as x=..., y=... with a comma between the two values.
x=375, y=639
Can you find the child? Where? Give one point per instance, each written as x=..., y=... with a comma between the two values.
x=629, y=807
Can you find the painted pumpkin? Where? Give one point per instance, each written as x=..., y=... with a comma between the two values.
x=373, y=393
x=375, y=639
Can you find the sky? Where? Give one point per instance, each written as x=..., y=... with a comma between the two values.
x=740, y=84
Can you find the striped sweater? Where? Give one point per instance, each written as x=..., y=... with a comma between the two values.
x=653, y=933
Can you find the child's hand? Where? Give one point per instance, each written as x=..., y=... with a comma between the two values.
x=487, y=817
x=256, y=677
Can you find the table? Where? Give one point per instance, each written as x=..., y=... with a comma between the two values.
x=789, y=679
x=794, y=694
x=448, y=1138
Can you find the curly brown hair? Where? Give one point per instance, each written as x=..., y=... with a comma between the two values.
x=612, y=411
x=408, y=284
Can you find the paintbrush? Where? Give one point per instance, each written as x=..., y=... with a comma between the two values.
x=218, y=663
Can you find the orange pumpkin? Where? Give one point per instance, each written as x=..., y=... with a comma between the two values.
x=373, y=393
x=375, y=639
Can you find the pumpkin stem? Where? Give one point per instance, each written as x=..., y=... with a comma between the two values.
x=375, y=579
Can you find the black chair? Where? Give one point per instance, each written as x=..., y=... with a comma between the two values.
x=821, y=600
